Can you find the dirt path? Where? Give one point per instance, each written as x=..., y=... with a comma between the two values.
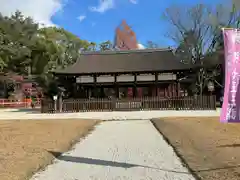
x=23, y=144
x=210, y=148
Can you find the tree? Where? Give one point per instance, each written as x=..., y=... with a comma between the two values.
x=61, y=48
x=24, y=46
x=197, y=32
x=92, y=46
x=17, y=34
x=68, y=46
x=185, y=50
x=26, y=49
x=151, y=45
x=105, y=46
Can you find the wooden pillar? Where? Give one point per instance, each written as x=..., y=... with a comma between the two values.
x=179, y=88
x=156, y=84
x=164, y=92
x=102, y=92
x=135, y=93
x=74, y=90
x=60, y=101
x=170, y=89
x=116, y=86
x=89, y=93
x=178, y=85
x=173, y=88
x=95, y=86
x=117, y=91
x=134, y=90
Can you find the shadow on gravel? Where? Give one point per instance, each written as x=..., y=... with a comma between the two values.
x=92, y=161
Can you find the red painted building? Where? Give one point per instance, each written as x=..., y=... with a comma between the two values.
x=23, y=87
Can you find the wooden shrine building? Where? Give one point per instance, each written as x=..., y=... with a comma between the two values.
x=125, y=74
x=127, y=79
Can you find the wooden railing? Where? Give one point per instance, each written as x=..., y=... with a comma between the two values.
x=135, y=104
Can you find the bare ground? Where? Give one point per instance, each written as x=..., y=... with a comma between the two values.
x=209, y=148
x=24, y=144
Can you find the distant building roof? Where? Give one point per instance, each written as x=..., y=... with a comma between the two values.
x=125, y=61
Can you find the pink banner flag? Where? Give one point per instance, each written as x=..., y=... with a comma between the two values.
x=231, y=101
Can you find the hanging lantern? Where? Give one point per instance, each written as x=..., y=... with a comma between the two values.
x=211, y=86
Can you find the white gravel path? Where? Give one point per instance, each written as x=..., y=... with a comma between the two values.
x=119, y=150
x=12, y=114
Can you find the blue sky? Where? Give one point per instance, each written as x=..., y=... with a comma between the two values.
x=96, y=20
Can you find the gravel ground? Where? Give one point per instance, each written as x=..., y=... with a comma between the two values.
x=115, y=115
x=119, y=150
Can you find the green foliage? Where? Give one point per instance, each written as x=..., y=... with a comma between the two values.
x=152, y=45
x=105, y=46
x=26, y=49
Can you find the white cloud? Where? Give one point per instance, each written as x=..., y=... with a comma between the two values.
x=133, y=1
x=103, y=6
x=40, y=10
x=82, y=17
x=140, y=46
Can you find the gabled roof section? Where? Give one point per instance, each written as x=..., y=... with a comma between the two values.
x=125, y=61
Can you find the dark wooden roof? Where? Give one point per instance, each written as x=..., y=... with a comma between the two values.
x=125, y=61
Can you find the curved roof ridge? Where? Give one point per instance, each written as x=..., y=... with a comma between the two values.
x=125, y=61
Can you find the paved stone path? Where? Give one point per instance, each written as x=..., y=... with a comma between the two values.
x=118, y=150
